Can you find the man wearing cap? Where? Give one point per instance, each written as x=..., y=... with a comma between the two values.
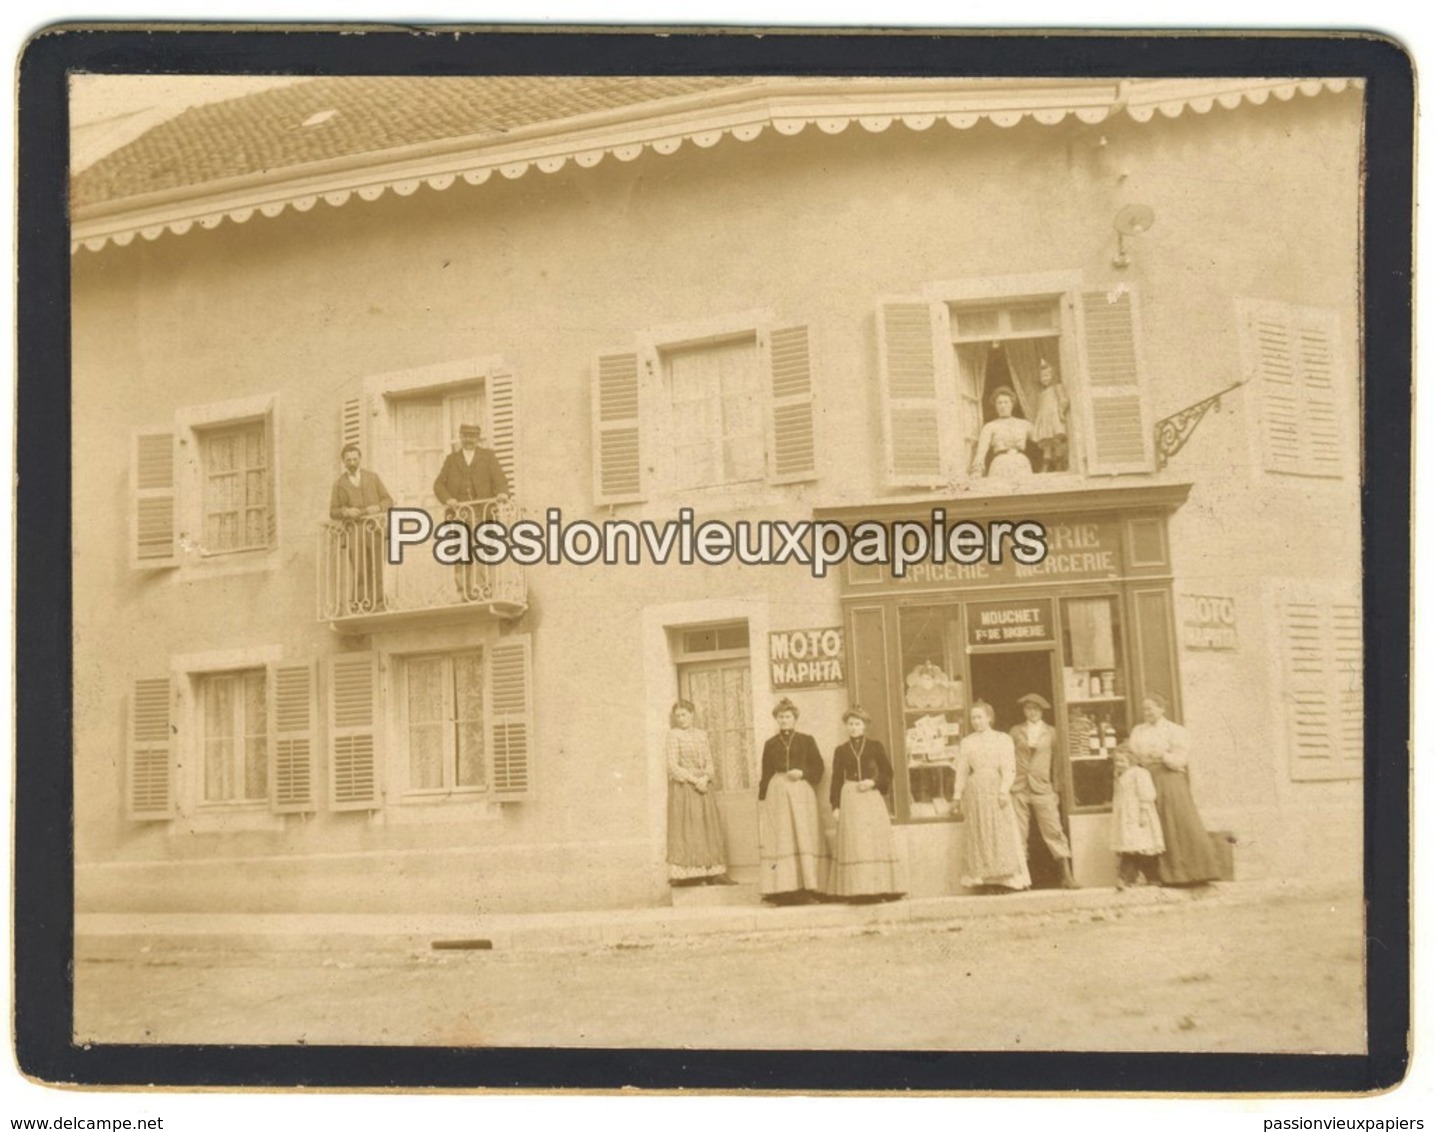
x=471, y=473
x=1040, y=783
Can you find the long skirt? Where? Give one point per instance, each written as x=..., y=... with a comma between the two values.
x=994, y=849
x=695, y=847
x=1190, y=858
x=866, y=862
x=789, y=839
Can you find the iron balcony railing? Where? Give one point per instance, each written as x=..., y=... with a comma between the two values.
x=356, y=583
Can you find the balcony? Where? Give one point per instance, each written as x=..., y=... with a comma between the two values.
x=359, y=592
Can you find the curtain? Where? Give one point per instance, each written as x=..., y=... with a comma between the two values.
x=1093, y=644
x=1023, y=359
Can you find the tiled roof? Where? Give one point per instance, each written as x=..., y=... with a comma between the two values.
x=263, y=132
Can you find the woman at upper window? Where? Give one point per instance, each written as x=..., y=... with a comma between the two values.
x=1005, y=439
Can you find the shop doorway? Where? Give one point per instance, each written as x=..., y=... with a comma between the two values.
x=1001, y=678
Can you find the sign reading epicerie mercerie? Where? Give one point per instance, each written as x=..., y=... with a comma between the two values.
x=807, y=658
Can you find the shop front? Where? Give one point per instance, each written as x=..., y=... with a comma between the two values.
x=1090, y=630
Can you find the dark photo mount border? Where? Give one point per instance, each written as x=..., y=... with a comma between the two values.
x=43, y=874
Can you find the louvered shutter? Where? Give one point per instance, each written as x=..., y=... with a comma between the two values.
x=1324, y=691
x=510, y=718
x=152, y=476
x=353, y=732
x=911, y=413
x=503, y=422
x=351, y=422
x=291, y=739
x=792, y=457
x=149, y=777
x=617, y=438
x=1118, y=426
x=1291, y=352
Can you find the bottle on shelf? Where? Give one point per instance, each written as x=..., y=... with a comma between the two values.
x=1108, y=738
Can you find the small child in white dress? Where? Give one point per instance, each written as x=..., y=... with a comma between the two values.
x=1135, y=825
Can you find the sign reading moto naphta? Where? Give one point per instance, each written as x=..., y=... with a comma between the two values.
x=807, y=658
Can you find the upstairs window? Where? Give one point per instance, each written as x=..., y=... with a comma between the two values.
x=730, y=402
x=235, y=486
x=943, y=355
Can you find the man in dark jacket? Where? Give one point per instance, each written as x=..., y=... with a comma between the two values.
x=470, y=473
x=360, y=503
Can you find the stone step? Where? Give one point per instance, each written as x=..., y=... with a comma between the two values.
x=714, y=895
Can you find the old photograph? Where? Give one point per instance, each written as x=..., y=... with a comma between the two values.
x=724, y=562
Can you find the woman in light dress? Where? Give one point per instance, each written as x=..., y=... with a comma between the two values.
x=994, y=856
x=1005, y=438
x=1164, y=749
x=695, y=847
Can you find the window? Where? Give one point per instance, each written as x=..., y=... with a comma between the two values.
x=443, y=701
x=1321, y=643
x=1289, y=353
x=407, y=422
x=725, y=403
x=234, y=732
x=943, y=355
x=715, y=401
x=235, y=471
x=204, y=490
x=934, y=705
x=1098, y=713
x=235, y=729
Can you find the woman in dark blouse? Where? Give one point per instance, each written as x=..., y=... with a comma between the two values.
x=866, y=867
x=789, y=838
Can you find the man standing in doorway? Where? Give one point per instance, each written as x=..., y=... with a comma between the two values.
x=1040, y=783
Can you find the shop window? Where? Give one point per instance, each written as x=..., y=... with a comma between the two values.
x=714, y=672
x=728, y=402
x=941, y=360
x=934, y=704
x=1098, y=711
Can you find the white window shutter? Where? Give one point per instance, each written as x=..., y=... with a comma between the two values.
x=1324, y=693
x=292, y=776
x=149, y=758
x=503, y=424
x=152, y=484
x=510, y=718
x=1118, y=424
x=1290, y=351
x=911, y=411
x=792, y=455
x=354, y=732
x=351, y=423
x=617, y=433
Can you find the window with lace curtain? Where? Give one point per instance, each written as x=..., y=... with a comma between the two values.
x=235, y=728
x=444, y=722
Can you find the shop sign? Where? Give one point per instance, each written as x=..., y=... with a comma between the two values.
x=1008, y=622
x=807, y=658
x=1076, y=551
x=1208, y=622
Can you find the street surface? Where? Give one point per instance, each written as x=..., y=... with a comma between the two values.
x=1210, y=974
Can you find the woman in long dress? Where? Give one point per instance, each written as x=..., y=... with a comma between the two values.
x=788, y=835
x=695, y=846
x=1006, y=439
x=866, y=866
x=1164, y=748
x=994, y=856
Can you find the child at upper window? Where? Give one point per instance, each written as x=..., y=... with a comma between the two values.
x=1048, y=428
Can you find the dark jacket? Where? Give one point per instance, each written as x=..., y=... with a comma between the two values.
x=847, y=767
x=370, y=493
x=801, y=754
x=460, y=482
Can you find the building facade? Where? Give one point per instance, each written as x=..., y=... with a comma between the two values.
x=753, y=299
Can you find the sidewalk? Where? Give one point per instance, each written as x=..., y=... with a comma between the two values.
x=108, y=933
